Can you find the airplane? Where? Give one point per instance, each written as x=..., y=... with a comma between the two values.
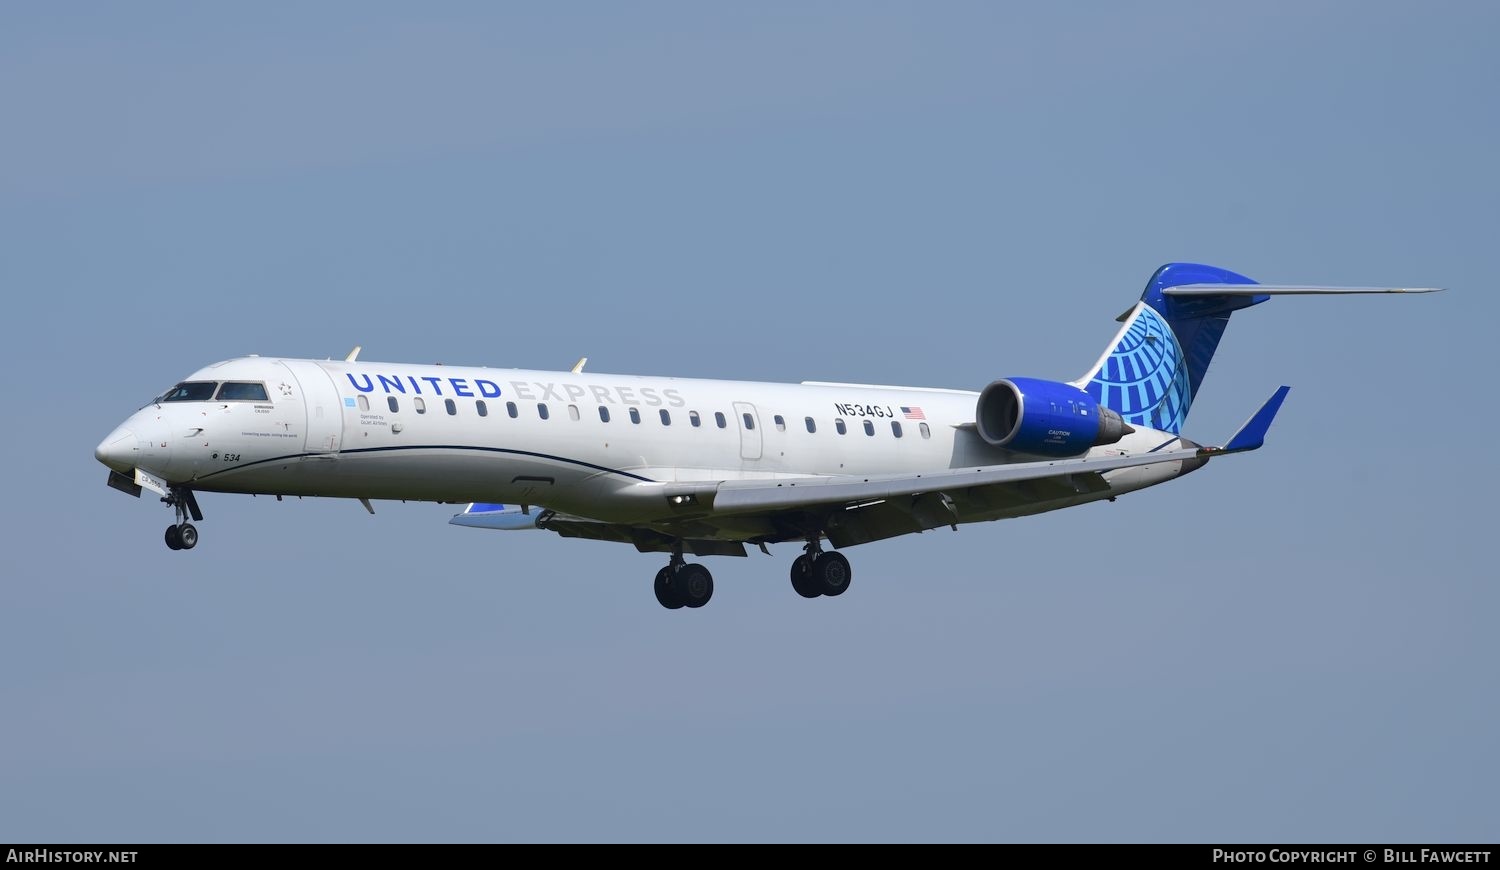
x=702, y=467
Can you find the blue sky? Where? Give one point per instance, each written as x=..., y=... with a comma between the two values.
x=1297, y=644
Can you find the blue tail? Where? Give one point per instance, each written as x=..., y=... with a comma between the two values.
x=1157, y=361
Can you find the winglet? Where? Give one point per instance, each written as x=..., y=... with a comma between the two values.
x=354, y=354
x=1253, y=434
x=578, y=366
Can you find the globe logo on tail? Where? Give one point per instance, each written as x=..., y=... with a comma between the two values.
x=1144, y=378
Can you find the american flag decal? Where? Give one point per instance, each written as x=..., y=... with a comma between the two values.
x=913, y=413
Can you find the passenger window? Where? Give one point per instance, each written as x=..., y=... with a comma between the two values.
x=512, y=410
x=240, y=391
x=719, y=418
x=869, y=427
x=635, y=415
x=749, y=421
x=896, y=428
x=420, y=405
x=451, y=405
x=695, y=419
x=573, y=412
x=812, y=425
x=364, y=403
x=481, y=408
x=390, y=402
x=541, y=410
x=666, y=417
x=780, y=423
x=838, y=423
x=189, y=391
x=603, y=414
x=926, y=433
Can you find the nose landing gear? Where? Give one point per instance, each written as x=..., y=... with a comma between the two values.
x=183, y=535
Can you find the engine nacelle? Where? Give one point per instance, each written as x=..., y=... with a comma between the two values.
x=1046, y=417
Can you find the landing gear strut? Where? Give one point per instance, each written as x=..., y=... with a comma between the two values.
x=683, y=584
x=183, y=535
x=818, y=573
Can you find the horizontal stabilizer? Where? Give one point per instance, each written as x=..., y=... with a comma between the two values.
x=1282, y=290
x=1253, y=434
x=508, y=517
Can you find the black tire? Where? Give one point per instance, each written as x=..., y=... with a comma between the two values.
x=666, y=591
x=187, y=534
x=174, y=538
x=802, y=579
x=694, y=584
x=831, y=573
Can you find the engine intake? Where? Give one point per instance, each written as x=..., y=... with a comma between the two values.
x=1045, y=417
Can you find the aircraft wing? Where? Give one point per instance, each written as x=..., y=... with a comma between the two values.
x=738, y=496
x=718, y=517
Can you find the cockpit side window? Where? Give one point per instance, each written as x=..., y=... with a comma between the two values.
x=190, y=391
x=243, y=391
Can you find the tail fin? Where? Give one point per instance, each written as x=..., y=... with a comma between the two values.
x=1156, y=363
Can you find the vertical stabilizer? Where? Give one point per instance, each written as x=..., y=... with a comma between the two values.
x=1153, y=368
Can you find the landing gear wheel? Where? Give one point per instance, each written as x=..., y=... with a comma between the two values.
x=802, y=579
x=694, y=584
x=187, y=535
x=831, y=573
x=666, y=590
x=174, y=537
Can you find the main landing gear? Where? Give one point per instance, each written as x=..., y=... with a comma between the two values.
x=814, y=573
x=817, y=573
x=683, y=584
x=183, y=535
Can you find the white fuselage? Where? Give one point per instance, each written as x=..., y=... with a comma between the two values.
x=458, y=434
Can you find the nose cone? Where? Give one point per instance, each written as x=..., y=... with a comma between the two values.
x=120, y=450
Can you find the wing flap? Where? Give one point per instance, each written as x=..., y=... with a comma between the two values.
x=746, y=496
x=644, y=539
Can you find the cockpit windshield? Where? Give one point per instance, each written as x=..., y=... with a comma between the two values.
x=243, y=391
x=227, y=391
x=190, y=391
